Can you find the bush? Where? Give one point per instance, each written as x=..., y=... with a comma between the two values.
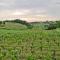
x=29, y=26
x=0, y=22
x=50, y=26
x=30, y=58
x=58, y=24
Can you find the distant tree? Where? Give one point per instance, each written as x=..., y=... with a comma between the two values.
x=4, y=22
x=0, y=22
x=58, y=24
x=29, y=26
x=50, y=25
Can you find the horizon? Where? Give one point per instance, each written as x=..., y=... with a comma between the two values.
x=31, y=18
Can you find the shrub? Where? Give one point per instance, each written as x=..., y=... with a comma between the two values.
x=58, y=24
x=30, y=58
x=0, y=22
x=50, y=26
x=29, y=26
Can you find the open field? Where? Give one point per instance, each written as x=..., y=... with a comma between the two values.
x=29, y=44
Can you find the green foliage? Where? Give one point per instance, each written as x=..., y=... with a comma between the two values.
x=58, y=24
x=29, y=26
x=34, y=44
x=30, y=58
x=0, y=22
x=50, y=25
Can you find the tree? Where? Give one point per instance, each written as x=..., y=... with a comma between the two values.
x=51, y=25
x=29, y=26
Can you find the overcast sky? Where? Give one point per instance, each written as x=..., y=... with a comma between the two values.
x=29, y=9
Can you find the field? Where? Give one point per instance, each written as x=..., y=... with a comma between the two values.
x=29, y=44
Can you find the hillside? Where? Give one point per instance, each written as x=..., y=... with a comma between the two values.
x=17, y=42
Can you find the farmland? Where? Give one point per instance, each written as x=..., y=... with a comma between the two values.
x=29, y=44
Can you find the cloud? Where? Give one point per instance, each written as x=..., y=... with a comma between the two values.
x=21, y=12
x=30, y=7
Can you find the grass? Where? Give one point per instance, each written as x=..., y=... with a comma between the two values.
x=29, y=44
x=13, y=26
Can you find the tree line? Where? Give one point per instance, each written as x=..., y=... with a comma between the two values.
x=49, y=25
x=17, y=21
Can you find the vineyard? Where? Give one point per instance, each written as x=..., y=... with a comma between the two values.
x=29, y=44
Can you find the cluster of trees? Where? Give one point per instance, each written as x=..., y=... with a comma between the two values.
x=2, y=23
x=58, y=24
x=48, y=25
x=52, y=25
x=17, y=21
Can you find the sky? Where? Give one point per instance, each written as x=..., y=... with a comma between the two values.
x=30, y=10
